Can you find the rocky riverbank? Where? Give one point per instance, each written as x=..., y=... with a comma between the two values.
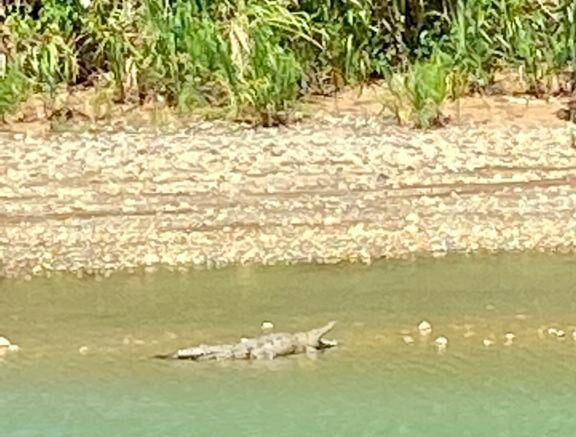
x=326, y=190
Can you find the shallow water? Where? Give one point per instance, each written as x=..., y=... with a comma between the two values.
x=373, y=385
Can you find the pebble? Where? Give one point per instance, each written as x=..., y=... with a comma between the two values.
x=488, y=342
x=267, y=326
x=412, y=218
x=408, y=339
x=509, y=338
x=7, y=346
x=425, y=328
x=558, y=333
x=441, y=343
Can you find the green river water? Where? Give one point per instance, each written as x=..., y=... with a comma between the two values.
x=84, y=368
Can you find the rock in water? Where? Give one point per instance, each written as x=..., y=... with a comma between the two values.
x=264, y=347
x=7, y=346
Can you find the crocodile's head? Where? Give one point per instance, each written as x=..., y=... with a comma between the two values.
x=316, y=337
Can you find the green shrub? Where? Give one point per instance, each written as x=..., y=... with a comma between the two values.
x=13, y=86
x=419, y=92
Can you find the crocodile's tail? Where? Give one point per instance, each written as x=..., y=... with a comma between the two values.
x=165, y=356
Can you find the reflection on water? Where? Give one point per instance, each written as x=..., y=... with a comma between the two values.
x=84, y=367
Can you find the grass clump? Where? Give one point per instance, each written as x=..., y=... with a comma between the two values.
x=417, y=95
x=13, y=86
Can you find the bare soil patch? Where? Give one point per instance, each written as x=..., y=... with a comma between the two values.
x=521, y=111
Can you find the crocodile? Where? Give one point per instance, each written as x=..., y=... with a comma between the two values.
x=265, y=347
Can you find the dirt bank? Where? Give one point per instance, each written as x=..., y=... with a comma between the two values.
x=335, y=188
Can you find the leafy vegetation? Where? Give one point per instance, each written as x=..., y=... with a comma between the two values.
x=12, y=89
x=257, y=57
x=417, y=94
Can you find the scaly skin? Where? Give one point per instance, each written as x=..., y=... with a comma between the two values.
x=267, y=346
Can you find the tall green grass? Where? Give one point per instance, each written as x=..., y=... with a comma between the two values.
x=257, y=57
x=418, y=93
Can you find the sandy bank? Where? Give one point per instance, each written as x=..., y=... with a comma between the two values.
x=345, y=188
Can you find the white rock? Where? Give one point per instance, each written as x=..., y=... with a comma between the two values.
x=7, y=346
x=509, y=338
x=412, y=218
x=408, y=339
x=412, y=229
x=558, y=333
x=441, y=343
x=487, y=342
x=267, y=326
x=151, y=258
x=429, y=151
x=425, y=328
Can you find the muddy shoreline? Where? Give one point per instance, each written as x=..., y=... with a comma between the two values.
x=348, y=188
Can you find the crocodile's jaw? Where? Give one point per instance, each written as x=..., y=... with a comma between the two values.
x=325, y=343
